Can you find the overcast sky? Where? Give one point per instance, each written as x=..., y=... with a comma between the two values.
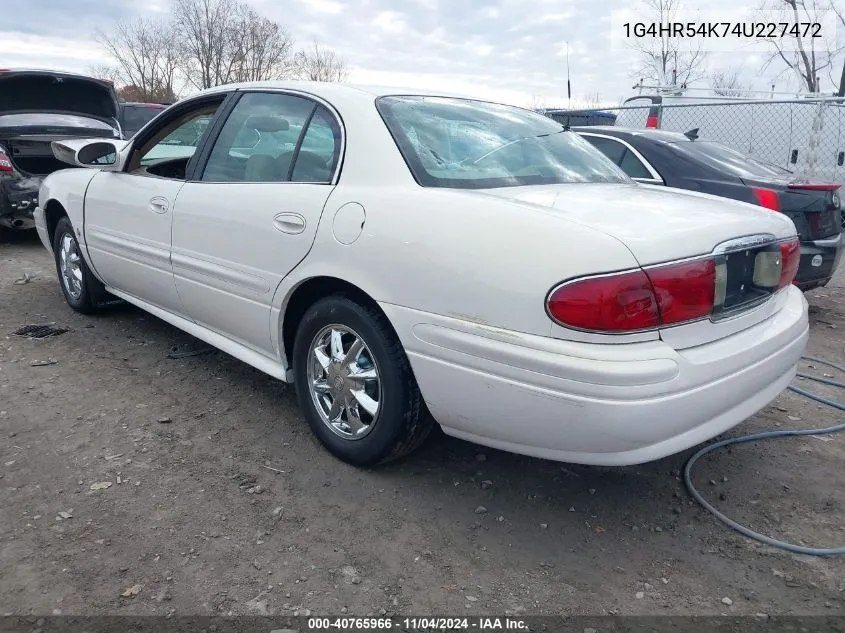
x=512, y=51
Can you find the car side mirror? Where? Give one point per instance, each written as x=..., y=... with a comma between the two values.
x=96, y=153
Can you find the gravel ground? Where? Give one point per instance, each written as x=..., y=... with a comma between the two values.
x=131, y=483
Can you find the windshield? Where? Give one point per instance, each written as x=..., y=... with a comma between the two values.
x=725, y=159
x=466, y=144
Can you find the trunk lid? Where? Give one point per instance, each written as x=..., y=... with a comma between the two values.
x=660, y=225
x=814, y=209
x=46, y=91
x=657, y=224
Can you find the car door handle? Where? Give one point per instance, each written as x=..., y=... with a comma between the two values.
x=292, y=223
x=159, y=204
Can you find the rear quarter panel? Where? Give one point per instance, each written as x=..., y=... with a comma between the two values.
x=458, y=254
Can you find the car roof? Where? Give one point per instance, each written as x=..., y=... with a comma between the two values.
x=328, y=90
x=624, y=132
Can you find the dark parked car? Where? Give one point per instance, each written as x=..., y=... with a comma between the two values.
x=37, y=107
x=684, y=161
x=134, y=116
x=581, y=117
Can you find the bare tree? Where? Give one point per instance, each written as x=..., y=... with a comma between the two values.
x=810, y=58
x=105, y=72
x=145, y=56
x=202, y=26
x=261, y=48
x=728, y=83
x=224, y=41
x=320, y=64
x=538, y=103
x=666, y=60
x=592, y=100
x=839, y=81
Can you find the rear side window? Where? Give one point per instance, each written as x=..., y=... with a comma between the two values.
x=258, y=141
x=633, y=166
x=611, y=149
x=727, y=160
x=320, y=149
x=621, y=155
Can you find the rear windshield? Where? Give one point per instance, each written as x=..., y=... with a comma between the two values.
x=465, y=144
x=727, y=160
x=136, y=117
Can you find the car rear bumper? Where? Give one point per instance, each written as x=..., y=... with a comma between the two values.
x=18, y=199
x=585, y=403
x=819, y=260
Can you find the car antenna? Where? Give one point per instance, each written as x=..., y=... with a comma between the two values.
x=692, y=134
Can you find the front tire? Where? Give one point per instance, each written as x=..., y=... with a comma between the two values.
x=355, y=385
x=83, y=292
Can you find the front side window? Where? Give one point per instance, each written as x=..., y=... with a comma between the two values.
x=180, y=141
x=166, y=150
x=260, y=141
x=465, y=144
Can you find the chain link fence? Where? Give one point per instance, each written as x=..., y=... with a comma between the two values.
x=803, y=136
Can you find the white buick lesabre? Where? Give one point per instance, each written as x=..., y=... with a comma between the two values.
x=405, y=257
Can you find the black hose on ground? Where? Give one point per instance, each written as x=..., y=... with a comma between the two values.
x=790, y=547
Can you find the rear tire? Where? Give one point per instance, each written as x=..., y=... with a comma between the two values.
x=83, y=292
x=355, y=384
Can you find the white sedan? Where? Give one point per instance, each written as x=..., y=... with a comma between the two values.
x=405, y=258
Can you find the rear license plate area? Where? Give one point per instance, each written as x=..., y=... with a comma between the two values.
x=745, y=278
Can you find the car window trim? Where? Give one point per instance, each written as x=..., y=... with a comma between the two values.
x=237, y=94
x=214, y=129
x=298, y=146
x=655, y=176
x=174, y=112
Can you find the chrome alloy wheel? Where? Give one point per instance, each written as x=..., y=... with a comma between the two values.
x=70, y=266
x=344, y=382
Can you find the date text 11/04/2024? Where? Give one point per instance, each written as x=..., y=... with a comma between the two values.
x=756, y=30
x=417, y=624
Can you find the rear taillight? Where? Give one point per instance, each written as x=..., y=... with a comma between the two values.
x=684, y=291
x=657, y=296
x=5, y=163
x=767, y=198
x=612, y=303
x=651, y=121
x=790, y=253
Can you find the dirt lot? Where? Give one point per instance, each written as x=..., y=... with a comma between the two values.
x=194, y=523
